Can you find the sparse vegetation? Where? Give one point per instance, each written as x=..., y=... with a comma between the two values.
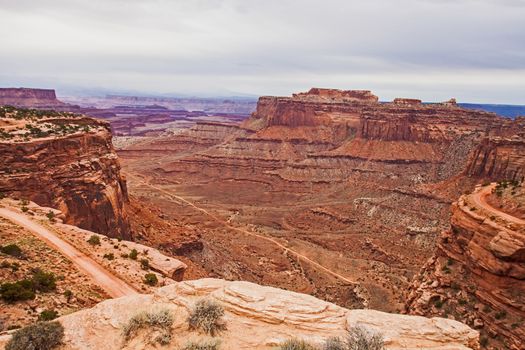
x=151, y=279
x=160, y=321
x=144, y=264
x=334, y=343
x=206, y=316
x=12, y=249
x=206, y=345
x=94, y=240
x=43, y=281
x=68, y=294
x=296, y=344
x=17, y=291
x=38, y=336
x=109, y=256
x=133, y=254
x=51, y=216
x=500, y=315
x=48, y=315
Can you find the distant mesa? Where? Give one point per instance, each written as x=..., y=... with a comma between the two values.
x=407, y=101
x=27, y=97
x=319, y=94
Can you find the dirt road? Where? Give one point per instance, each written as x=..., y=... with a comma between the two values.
x=233, y=228
x=113, y=285
x=480, y=199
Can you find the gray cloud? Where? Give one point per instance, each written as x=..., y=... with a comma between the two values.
x=472, y=49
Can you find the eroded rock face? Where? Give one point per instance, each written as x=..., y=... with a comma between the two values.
x=258, y=317
x=25, y=97
x=477, y=275
x=335, y=172
x=78, y=173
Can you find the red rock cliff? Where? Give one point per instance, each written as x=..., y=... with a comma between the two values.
x=477, y=274
x=76, y=171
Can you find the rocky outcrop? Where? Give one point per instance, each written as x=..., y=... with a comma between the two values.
x=477, y=274
x=76, y=172
x=257, y=318
x=26, y=97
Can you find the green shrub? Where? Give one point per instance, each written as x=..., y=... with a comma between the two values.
x=17, y=291
x=68, y=294
x=133, y=254
x=151, y=279
x=25, y=209
x=38, y=336
x=12, y=249
x=160, y=320
x=94, y=240
x=51, y=216
x=43, y=281
x=144, y=264
x=109, y=256
x=206, y=316
x=296, y=344
x=47, y=315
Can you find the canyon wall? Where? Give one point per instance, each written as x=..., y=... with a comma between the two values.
x=337, y=175
x=477, y=274
x=76, y=172
x=33, y=98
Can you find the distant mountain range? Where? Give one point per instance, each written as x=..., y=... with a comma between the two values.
x=510, y=111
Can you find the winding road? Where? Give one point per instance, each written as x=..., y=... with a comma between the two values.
x=480, y=199
x=227, y=225
x=113, y=285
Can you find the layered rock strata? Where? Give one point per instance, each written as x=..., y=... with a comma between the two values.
x=66, y=163
x=477, y=274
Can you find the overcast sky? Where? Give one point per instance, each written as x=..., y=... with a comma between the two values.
x=431, y=49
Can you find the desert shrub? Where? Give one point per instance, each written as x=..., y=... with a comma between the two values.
x=133, y=254
x=47, y=315
x=94, y=240
x=2, y=195
x=500, y=315
x=151, y=279
x=5, y=264
x=25, y=209
x=160, y=320
x=12, y=249
x=296, y=344
x=334, y=343
x=38, y=336
x=144, y=264
x=207, y=345
x=17, y=291
x=206, y=316
x=51, y=215
x=68, y=294
x=124, y=255
x=109, y=256
x=43, y=281
x=361, y=339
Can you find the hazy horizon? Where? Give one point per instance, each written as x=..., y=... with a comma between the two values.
x=428, y=49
